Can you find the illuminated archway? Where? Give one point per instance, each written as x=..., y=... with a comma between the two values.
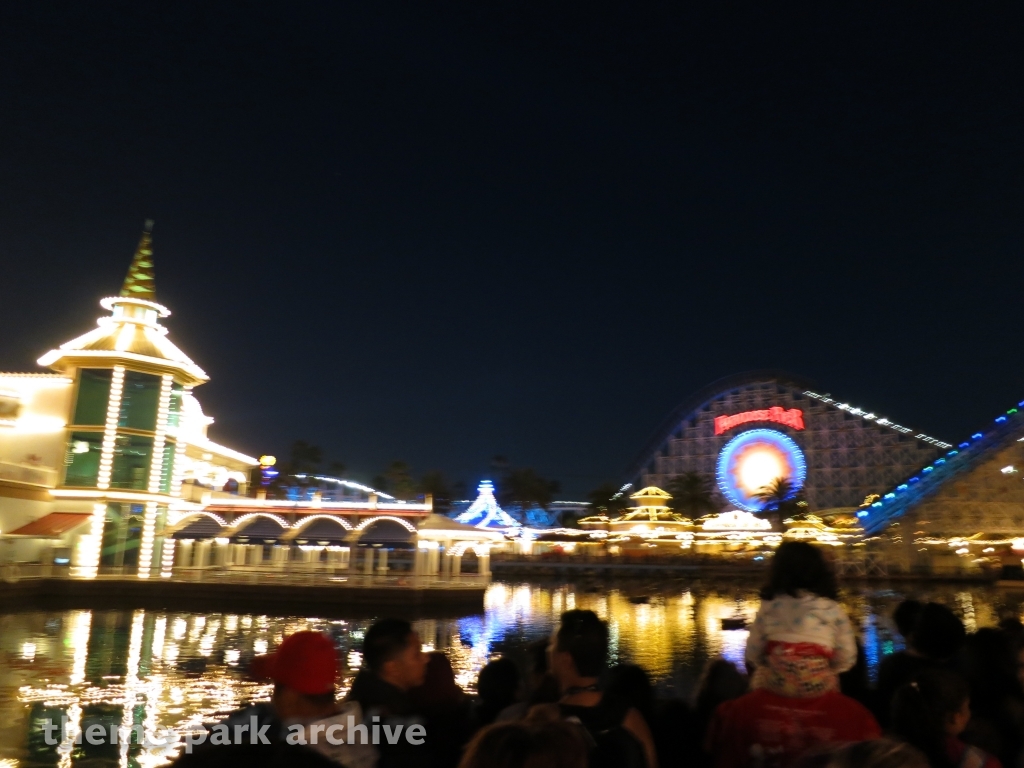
x=370, y=521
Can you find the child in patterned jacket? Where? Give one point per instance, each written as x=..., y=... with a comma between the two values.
x=801, y=638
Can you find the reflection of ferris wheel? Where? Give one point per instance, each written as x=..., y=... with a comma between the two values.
x=753, y=460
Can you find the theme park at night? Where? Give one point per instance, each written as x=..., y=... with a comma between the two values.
x=515, y=388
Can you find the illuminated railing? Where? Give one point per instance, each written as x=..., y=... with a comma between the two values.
x=337, y=578
x=29, y=474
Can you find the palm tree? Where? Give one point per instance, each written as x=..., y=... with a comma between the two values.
x=608, y=499
x=780, y=499
x=436, y=484
x=526, y=488
x=692, y=495
x=395, y=480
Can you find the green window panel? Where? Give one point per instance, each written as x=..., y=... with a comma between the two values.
x=93, y=394
x=174, y=407
x=82, y=459
x=139, y=401
x=132, y=455
x=170, y=448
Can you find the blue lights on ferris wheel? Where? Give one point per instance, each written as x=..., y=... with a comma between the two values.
x=753, y=460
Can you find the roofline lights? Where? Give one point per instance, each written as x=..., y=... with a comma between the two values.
x=867, y=416
x=110, y=302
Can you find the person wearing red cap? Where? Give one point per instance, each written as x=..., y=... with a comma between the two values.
x=293, y=730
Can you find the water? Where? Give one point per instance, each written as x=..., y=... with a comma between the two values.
x=179, y=670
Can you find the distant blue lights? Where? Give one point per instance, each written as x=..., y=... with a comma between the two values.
x=899, y=507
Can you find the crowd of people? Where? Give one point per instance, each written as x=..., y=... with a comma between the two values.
x=949, y=700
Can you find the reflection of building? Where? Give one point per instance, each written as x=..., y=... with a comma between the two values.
x=93, y=456
x=746, y=430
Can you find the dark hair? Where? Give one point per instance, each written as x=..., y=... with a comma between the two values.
x=876, y=753
x=585, y=638
x=799, y=566
x=384, y=641
x=538, y=651
x=989, y=662
x=906, y=615
x=938, y=633
x=920, y=710
x=498, y=682
x=630, y=683
x=316, y=699
x=552, y=744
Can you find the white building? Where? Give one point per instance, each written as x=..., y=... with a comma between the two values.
x=99, y=455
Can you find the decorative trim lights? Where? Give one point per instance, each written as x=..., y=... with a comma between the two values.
x=348, y=484
x=334, y=518
x=877, y=419
x=110, y=428
x=371, y=520
x=156, y=466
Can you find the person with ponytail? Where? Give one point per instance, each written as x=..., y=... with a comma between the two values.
x=930, y=713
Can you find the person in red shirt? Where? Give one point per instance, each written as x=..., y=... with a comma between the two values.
x=765, y=730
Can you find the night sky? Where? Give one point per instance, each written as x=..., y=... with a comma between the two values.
x=438, y=232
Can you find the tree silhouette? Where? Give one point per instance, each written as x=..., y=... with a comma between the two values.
x=397, y=481
x=601, y=501
x=436, y=484
x=780, y=499
x=692, y=495
x=526, y=488
x=305, y=458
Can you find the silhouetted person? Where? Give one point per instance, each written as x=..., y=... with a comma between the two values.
x=393, y=664
x=579, y=651
x=989, y=661
x=446, y=708
x=905, y=617
x=303, y=668
x=930, y=713
x=497, y=688
x=935, y=639
x=551, y=744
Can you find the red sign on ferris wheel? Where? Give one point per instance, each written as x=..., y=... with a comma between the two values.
x=793, y=418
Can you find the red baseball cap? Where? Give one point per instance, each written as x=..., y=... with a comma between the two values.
x=305, y=661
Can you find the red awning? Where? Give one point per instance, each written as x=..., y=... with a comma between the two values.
x=52, y=525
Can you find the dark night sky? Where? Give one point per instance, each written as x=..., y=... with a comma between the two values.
x=439, y=232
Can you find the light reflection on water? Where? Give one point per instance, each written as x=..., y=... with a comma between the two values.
x=175, y=670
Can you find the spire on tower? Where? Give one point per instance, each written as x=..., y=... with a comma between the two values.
x=140, y=283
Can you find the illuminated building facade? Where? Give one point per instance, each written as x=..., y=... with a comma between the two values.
x=747, y=430
x=106, y=467
x=968, y=503
x=97, y=457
